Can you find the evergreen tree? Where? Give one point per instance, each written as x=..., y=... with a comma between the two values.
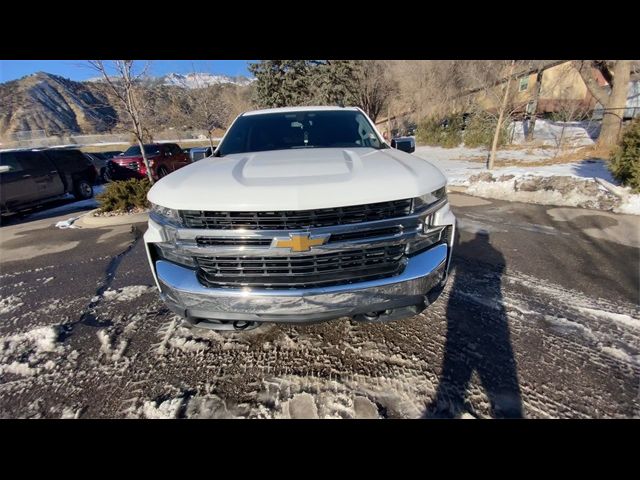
x=282, y=83
x=625, y=161
x=361, y=83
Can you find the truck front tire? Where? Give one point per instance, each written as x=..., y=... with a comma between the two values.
x=83, y=189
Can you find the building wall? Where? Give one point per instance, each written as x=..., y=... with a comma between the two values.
x=562, y=87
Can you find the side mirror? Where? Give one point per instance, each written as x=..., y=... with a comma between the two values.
x=404, y=145
x=5, y=168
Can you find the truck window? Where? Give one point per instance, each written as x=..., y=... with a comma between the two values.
x=35, y=162
x=12, y=161
x=68, y=160
x=305, y=129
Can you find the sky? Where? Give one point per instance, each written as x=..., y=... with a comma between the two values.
x=79, y=70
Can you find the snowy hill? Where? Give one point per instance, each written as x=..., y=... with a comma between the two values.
x=200, y=80
x=193, y=80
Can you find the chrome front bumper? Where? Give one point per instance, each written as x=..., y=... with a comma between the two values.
x=406, y=294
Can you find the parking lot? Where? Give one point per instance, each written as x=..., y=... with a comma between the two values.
x=540, y=319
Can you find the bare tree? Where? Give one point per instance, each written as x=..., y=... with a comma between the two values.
x=613, y=98
x=501, y=114
x=207, y=108
x=125, y=86
x=533, y=106
x=237, y=100
x=376, y=86
x=370, y=85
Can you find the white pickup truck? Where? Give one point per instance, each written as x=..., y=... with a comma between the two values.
x=301, y=215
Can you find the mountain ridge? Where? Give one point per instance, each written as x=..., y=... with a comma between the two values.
x=54, y=105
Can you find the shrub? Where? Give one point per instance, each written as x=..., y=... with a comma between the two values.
x=124, y=196
x=480, y=130
x=441, y=132
x=625, y=159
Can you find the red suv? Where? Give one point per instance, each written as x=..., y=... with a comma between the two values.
x=163, y=158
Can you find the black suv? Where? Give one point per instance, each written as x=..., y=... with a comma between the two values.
x=31, y=177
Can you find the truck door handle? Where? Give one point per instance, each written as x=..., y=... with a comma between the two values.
x=26, y=176
x=53, y=172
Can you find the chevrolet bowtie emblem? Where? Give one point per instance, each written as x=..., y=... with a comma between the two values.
x=300, y=242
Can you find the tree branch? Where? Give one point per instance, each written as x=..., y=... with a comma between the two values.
x=600, y=93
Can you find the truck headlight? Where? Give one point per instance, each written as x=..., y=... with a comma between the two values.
x=166, y=215
x=429, y=198
x=171, y=254
x=426, y=240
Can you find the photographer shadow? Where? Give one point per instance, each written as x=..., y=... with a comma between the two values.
x=478, y=337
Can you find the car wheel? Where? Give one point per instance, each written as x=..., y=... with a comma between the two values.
x=83, y=190
x=162, y=172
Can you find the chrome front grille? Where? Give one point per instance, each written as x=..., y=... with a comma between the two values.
x=257, y=250
x=302, y=271
x=371, y=233
x=295, y=220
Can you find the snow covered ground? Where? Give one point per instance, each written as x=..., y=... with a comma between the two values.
x=547, y=132
x=525, y=182
x=459, y=163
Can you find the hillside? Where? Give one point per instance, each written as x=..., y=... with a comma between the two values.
x=54, y=104
x=47, y=104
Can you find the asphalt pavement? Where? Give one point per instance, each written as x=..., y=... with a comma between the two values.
x=540, y=319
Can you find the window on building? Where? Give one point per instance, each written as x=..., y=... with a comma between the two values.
x=524, y=83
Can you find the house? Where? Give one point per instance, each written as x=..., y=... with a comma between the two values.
x=560, y=90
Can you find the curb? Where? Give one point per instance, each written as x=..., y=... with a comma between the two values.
x=89, y=221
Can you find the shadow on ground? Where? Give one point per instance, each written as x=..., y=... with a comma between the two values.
x=478, y=340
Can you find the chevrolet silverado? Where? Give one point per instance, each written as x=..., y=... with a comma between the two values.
x=301, y=215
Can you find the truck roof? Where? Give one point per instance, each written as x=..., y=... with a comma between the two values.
x=295, y=109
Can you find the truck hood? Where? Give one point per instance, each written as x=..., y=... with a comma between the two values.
x=297, y=179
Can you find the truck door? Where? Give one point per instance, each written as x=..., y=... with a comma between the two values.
x=45, y=176
x=17, y=184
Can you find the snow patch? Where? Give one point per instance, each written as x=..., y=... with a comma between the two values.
x=547, y=132
x=126, y=294
x=71, y=413
x=621, y=355
x=27, y=353
x=166, y=409
x=620, y=318
x=108, y=350
x=543, y=189
x=9, y=304
x=630, y=204
x=69, y=223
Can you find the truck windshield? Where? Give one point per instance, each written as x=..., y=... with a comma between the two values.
x=304, y=129
x=148, y=149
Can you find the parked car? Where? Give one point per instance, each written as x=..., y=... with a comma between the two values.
x=110, y=154
x=198, y=153
x=308, y=216
x=101, y=166
x=163, y=158
x=29, y=178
